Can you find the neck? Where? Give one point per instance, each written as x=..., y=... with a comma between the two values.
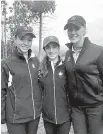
x=55, y=60
x=79, y=44
x=25, y=55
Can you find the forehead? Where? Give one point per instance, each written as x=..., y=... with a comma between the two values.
x=52, y=44
x=71, y=25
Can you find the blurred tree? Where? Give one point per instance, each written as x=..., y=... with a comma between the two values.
x=3, y=24
x=39, y=8
x=29, y=12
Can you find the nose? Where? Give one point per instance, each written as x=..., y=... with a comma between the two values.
x=51, y=49
x=26, y=42
x=73, y=31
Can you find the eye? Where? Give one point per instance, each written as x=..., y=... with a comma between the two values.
x=54, y=46
x=47, y=47
x=70, y=29
x=76, y=28
x=22, y=38
x=29, y=40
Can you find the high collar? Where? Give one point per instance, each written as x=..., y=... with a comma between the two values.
x=59, y=62
x=85, y=44
x=20, y=55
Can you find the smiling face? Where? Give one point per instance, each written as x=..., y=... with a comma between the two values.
x=52, y=50
x=24, y=44
x=75, y=33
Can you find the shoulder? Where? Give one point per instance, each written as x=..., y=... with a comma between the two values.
x=6, y=61
x=97, y=49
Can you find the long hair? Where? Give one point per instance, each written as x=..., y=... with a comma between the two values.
x=43, y=67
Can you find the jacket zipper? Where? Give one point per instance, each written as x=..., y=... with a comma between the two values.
x=31, y=87
x=54, y=91
x=15, y=110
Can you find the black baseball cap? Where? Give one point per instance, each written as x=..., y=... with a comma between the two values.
x=22, y=31
x=76, y=20
x=49, y=39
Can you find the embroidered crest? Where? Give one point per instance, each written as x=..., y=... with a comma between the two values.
x=68, y=59
x=60, y=73
x=33, y=65
x=73, y=18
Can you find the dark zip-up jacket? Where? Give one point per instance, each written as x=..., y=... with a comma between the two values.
x=21, y=99
x=85, y=77
x=55, y=101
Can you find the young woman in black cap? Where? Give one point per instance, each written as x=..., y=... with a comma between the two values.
x=53, y=80
x=20, y=94
x=84, y=65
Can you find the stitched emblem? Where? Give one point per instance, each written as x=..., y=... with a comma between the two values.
x=60, y=73
x=33, y=65
x=73, y=18
x=68, y=59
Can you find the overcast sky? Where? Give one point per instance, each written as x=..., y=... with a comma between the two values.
x=91, y=10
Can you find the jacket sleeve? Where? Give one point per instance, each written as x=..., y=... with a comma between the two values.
x=100, y=64
x=4, y=85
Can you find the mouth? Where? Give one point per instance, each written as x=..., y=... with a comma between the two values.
x=24, y=47
x=74, y=37
x=52, y=55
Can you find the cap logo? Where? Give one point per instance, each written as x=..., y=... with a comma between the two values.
x=51, y=38
x=73, y=18
x=28, y=29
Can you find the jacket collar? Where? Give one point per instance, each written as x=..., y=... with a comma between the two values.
x=85, y=44
x=59, y=62
x=20, y=55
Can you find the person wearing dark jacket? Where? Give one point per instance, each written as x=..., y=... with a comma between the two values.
x=21, y=99
x=84, y=65
x=56, y=109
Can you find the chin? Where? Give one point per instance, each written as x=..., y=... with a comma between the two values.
x=25, y=51
x=74, y=41
x=52, y=58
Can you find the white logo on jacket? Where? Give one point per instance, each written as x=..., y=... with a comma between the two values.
x=10, y=80
x=33, y=65
x=60, y=73
x=68, y=59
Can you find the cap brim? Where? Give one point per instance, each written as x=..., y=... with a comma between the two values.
x=66, y=26
x=48, y=43
x=24, y=33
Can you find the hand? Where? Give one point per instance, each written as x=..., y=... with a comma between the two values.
x=4, y=129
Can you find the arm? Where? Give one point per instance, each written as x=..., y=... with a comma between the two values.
x=4, y=81
x=100, y=65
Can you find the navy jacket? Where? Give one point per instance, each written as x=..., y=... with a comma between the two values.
x=85, y=77
x=21, y=99
x=56, y=107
